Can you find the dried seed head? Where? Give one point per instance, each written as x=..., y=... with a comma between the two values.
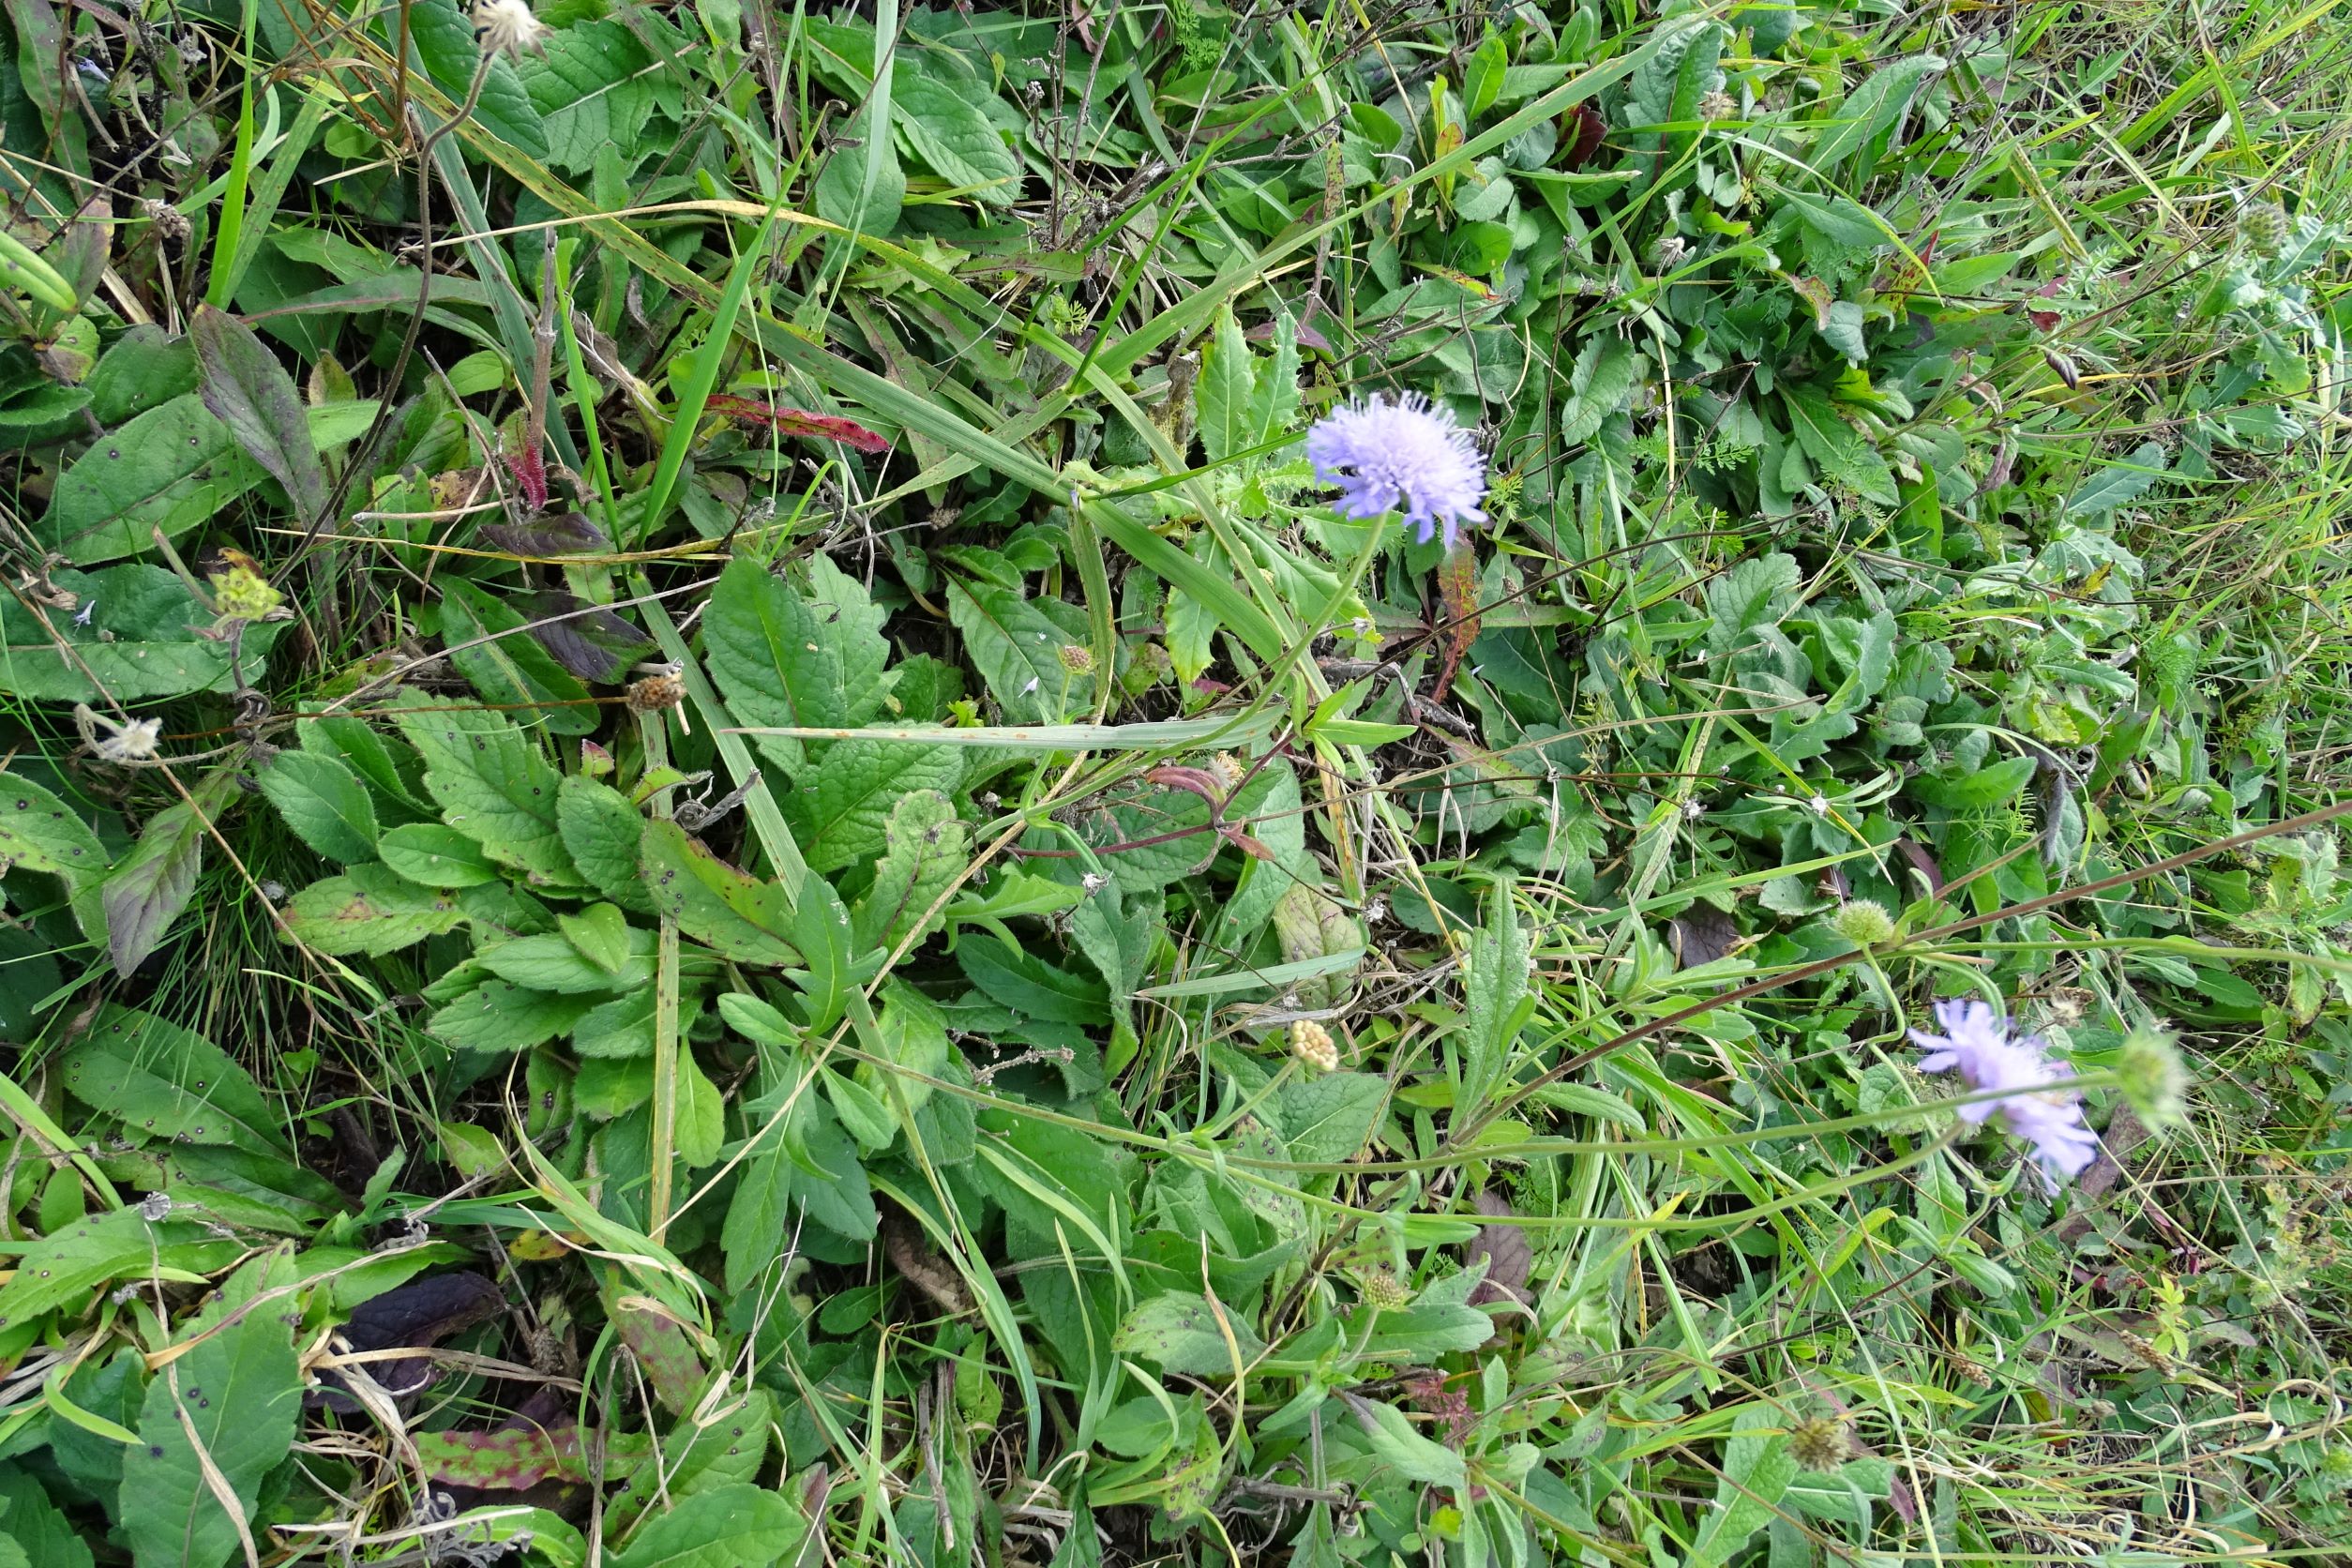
x=1381, y=1288
x=1228, y=770
x=170, y=222
x=1076, y=657
x=1312, y=1043
x=655, y=693
x=1717, y=105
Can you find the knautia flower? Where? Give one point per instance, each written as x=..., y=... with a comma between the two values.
x=1406, y=453
x=2036, y=1105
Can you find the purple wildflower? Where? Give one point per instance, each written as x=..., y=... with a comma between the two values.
x=1383, y=453
x=2037, y=1105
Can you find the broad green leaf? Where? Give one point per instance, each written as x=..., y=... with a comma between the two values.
x=431, y=855
x=941, y=125
x=601, y=933
x=1030, y=985
x=845, y=195
x=700, y=1130
x=488, y=644
x=370, y=908
x=136, y=631
x=1332, y=1116
x=551, y=962
x=1607, y=369
x=923, y=849
x=63, y=1268
x=1226, y=394
x=821, y=930
x=492, y=784
x=1837, y=449
x=1183, y=1330
x=172, y=468
x=444, y=40
x=324, y=802
x=603, y=833
x=1755, y=592
x=840, y=808
x=41, y=833
x=734, y=1526
x=589, y=84
x=697, y=1460
x=1757, y=1469
x=1017, y=644
x=37, y=1527
x=250, y=392
x=165, y=1082
x=1275, y=407
x=1871, y=110
x=150, y=886
x=736, y=916
x=238, y=1393
x=1986, y=785
x=2116, y=484
x=1397, y=1443
x=796, y=660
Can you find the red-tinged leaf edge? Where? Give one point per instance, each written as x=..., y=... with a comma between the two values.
x=799, y=421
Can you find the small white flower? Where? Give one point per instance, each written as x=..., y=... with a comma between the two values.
x=156, y=1206
x=508, y=27
x=81, y=616
x=1031, y=687
x=1694, y=809
x=1092, y=881
x=1820, y=806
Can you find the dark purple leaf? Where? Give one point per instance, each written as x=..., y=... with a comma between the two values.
x=1509, y=1257
x=1921, y=862
x=1702, y=936
x=418, y=1315
x=543, y=539
x=586, y=639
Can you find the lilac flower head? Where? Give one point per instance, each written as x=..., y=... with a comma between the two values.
x=1409, y=452
x=2036, y=1105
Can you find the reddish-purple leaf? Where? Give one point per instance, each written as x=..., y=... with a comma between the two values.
x=588, y=639
x=799, y=421
x=1509, y=1257
x=1590, y=129
x=543, y=539
x=418, y=1315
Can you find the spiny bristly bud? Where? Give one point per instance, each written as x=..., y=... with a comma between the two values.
x=1076, y=657
x=2264, y=227
x=1864, y=922
x=2153, y=1078
x=1381, y=1288
x=1717, y=105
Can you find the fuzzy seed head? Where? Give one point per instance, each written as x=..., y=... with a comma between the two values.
x=1076, y=657
x=2264, y=228
x=1819, y=1443
x=1717, y=105
x=508, y=27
